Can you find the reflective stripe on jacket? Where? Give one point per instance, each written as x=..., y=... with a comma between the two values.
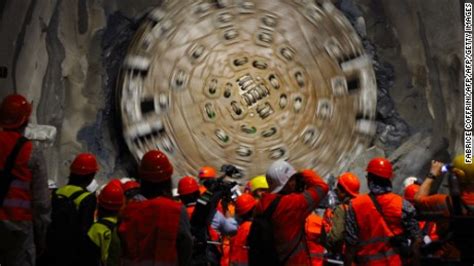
x=374, y=233
x=238, y=246
x=17, y=203
x=149, y=232
x=68, y=190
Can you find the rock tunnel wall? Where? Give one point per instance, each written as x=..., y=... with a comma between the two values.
x=65, y=56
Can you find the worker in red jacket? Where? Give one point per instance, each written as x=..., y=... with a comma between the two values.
x=155, y=231
x=377, y=223
x=25, y=200
x=238, y=253
x=289, y=217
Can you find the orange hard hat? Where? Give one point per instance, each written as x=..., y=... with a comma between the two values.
x=244, y=204
x=111, y=196
x=84, y=164
x=187, y=185
x=15, y=110
x=155, y=167
x=207, y=172
x=350, y=183
x=129, y=185
x=410, y=192
x=380, y=167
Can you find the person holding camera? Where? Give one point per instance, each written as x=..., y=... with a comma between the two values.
x=380, y=223
x=293, y=196
x=454, y=213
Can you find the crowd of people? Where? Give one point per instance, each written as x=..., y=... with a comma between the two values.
x=275, y=221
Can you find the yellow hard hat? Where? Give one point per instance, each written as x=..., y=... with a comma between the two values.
x=258, y=182
x=468, y=170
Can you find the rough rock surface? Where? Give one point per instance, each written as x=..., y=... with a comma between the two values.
x=65, y=58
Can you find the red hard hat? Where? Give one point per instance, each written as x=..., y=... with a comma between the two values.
x=244, y=204
x=111, y=196
x=380, y=167
x=129, y=185
x=14, y=111
x=350, y=183
x=207, y=172
x=410, y=192
x=84, y=164
x=155, y=167
x=187, y=185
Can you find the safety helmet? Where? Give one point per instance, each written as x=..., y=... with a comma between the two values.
x=410, y=192
x=380, y=167
x=258, y=182
x=15, y=110
x=244, y=204
x=111, y=197
x=410, y=180
x=187, y=185
x=278, y=175
x=129, y=185
x=467, y=169
x=84, y=164
x=52, y=184
x=350, y=183
x=155, y=167
x=207, y=172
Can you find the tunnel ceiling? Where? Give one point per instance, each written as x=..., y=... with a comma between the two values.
x=248, y=82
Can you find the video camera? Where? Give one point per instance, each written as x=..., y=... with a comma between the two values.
x=230, y=190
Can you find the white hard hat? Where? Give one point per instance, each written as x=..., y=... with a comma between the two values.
x=409, y=180
x=52, y=184
x=278, y=175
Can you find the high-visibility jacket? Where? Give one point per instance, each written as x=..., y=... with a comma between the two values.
x=17, y=203
x=238, y=246
x=99, y=238
x=289, y=219
x=149, y=231
x=85, y=204
x=313, y=229
x=374, y=232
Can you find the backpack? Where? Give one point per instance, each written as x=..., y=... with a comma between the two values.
x=261, y=240
x=64, y=232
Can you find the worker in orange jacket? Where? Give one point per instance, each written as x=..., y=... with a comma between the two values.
x=428, y=228
x=455, y=212
x=313, y=229
x=289, y=217
x=238, y=252
x=347, y=188
x=155, y=231
x=376, y=222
